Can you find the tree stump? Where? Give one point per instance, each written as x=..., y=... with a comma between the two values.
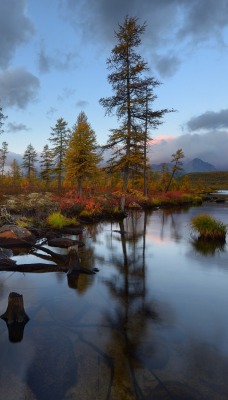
x=15, y=311
x=15, y=317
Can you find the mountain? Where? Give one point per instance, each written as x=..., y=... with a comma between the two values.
x=195, y=165
x=198, y=165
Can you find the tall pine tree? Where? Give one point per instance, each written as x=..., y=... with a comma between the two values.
x=46, y=164
x=59, y=138
x=29, y=160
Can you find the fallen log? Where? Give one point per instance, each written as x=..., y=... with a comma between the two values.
x=70, y=263
x=35, y=268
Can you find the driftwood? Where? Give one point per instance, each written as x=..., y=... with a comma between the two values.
x=15, y=317
x=66, y=263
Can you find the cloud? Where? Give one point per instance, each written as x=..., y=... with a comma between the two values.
x=209, y=146
x=209, y=120
x=82, y=104
x=15, y=28
x=204, y=20
x=66, y=93
x=167, y=65
x=59, y=60
x=18, y=87
x=16, y=127
x=51, y=112
x=173, y=27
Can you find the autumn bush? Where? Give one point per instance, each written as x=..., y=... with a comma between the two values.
x=57, y=220
x=173, y=198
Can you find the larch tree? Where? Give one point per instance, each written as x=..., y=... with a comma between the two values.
x=82, y=156
x=177, y=166
x=148, y=119
x=133, y=93
x=59, y=138
x=46, y=164
x=29, y=160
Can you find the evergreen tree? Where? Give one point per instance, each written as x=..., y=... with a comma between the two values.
x=133, y=93
x=3, y=155
x=59, y=138
x=82, y=156
x=29, y=159
x=46, y=164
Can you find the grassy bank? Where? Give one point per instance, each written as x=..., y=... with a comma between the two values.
x=209, y=181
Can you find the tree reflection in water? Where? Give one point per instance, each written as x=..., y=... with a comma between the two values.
x=130, y=319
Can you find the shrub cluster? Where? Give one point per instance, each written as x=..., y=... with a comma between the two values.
x=208, y=227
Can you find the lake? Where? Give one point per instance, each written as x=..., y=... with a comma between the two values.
x=152, y=323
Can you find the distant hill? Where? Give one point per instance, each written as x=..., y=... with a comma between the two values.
x=195, y=165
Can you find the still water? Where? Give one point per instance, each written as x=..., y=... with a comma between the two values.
x=151, y=324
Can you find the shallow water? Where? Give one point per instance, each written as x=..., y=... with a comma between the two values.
x=151, y=324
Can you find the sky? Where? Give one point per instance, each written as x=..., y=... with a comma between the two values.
x=53, y=65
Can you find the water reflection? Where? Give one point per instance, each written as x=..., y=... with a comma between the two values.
x=151, y=324
x=208, y=247
x=133, y=311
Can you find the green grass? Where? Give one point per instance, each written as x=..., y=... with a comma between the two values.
x=208, y=227
x=57, y=221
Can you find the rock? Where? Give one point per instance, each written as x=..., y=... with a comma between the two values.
x=14, y=235
x=5, y=255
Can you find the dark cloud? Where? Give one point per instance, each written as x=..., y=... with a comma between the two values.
x=57, y=61
x=14, y=127
x=15, y=28
x=209, y=120
x=210, y=147
x=172, y=26
x=204, y=20
x=18, y=87
x=167, y=65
